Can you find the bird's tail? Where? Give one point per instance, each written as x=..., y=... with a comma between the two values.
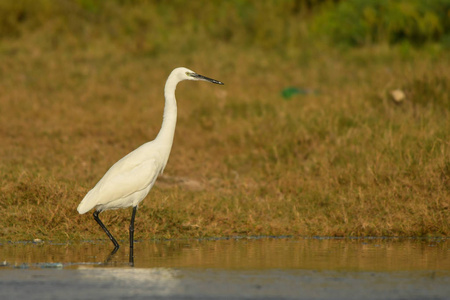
x=86, y=204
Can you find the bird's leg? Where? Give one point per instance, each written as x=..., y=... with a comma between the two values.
x=110, y=256
x=116, y=244
x=132, y=235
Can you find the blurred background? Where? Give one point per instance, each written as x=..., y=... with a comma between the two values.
x=334, y=117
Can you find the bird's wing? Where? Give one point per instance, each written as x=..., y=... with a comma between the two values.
x=129, y=179
x=123, y=179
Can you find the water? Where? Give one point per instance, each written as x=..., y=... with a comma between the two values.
x=239, y=268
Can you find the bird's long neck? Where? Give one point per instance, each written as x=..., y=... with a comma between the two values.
x=170, y=114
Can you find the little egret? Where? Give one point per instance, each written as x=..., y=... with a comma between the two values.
x=130, y=179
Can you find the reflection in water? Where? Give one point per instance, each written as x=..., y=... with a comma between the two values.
x=251, y=268
x=247, y=254
x=163, y=281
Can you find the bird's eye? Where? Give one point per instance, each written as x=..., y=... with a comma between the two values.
x=188, y=74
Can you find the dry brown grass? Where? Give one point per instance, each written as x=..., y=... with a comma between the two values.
x=344, y=162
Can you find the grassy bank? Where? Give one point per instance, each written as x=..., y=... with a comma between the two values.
x=77, y=93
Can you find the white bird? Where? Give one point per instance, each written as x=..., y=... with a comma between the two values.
x=130, y=179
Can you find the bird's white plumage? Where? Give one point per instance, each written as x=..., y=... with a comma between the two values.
x=130, y=179
x=127, y=182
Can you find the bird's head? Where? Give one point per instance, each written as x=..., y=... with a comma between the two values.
x=186, y=74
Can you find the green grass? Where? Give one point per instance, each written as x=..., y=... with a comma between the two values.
x=79, y=92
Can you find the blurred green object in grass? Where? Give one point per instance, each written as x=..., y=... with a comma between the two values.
x=288, y=92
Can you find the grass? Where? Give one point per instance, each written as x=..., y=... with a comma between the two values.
x=345, y=161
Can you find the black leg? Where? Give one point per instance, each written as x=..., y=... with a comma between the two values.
x=111, y=255
x=132, y=235
x=116, y=244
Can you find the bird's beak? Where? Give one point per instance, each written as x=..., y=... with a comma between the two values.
x=201, y=77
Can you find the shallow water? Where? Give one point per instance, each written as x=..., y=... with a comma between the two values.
x=250, y=268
